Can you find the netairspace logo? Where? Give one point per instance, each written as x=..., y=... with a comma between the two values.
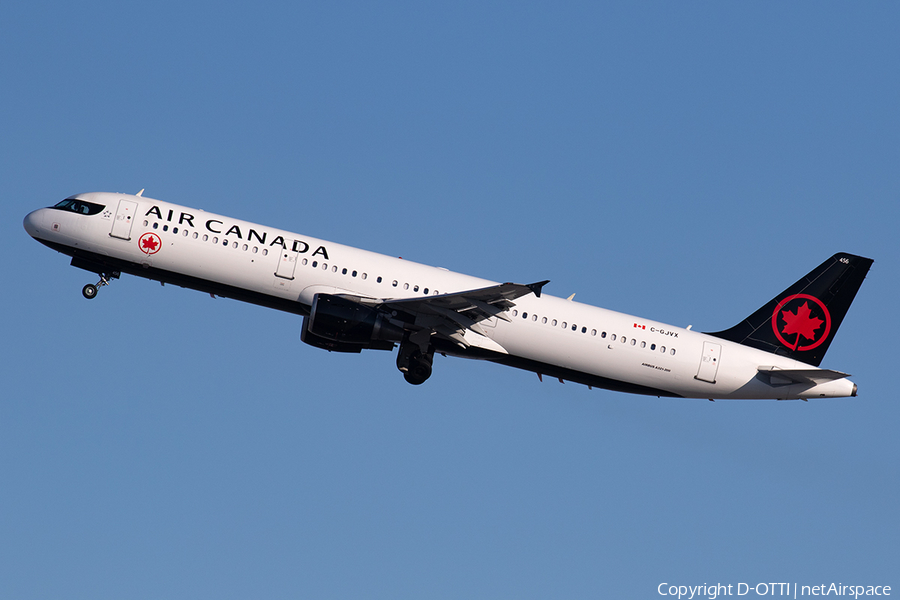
x=793, y=590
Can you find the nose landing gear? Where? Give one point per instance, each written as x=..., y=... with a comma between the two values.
x=90, y=290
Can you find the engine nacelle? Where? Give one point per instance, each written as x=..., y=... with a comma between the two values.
x=342, y=325
x=319, y=342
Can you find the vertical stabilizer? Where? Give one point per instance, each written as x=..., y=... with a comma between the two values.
x=801, y=321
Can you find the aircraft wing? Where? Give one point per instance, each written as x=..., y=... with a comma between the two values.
x=452, y=315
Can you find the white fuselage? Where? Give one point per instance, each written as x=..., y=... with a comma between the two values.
x=545, y=334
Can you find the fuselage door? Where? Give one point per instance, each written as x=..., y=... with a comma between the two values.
x=709, y=362
x=121, y=227
x=287, y=262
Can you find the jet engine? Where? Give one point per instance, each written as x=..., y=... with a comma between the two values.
x=341, y=324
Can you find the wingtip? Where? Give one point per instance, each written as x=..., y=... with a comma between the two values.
x=537, y=287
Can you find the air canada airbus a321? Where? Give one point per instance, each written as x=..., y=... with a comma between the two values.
x=352, y=300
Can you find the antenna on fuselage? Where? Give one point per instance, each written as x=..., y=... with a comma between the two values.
x=140, y=193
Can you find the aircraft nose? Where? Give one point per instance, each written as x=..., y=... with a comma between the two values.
x=34, y=221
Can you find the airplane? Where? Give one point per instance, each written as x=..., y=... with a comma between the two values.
x=352, y=299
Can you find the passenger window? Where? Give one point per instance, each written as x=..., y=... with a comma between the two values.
x=624, y=339
x=344, y=271
x=215, y=240
x=515, y=313
x=415, y=288
x=405, y=286
x=394, y=283
x=633, y=341
x=378, y=280
x=303, y=262
x=234, y=245
x=174, y=230
x=165, y=227
x=185, y=233
x=565, y=325
x=244, y=247
x=255, y=249
x=662, y=349
x=265, y=251
x=195, y=235
x=593, y=332
x=425, y=291
x=613, y=337
x=156, y=226
x=146, y=222
x=363, y=276
x=524, y=315
x=315, y=264
x=672, y=351
x=544, y=320
x=653, y=346
x=324, y=266
x=334, y=269
x=353, y=274
x=205, y=237
x=603, y=335
x=643, y=344
x=534, y=317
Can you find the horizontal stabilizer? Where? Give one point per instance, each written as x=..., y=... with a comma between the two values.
x=778, y=376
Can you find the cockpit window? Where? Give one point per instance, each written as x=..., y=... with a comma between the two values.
x=79, y=206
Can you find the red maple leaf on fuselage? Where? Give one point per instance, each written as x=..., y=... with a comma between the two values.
x=149, y=243
x=800, y=322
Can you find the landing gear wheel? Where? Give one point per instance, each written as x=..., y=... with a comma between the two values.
x=90, y=290
x=419, y=371
x=413, y=363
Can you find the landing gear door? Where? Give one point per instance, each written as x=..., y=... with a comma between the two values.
x=287, y=262
x=709, y=362
x=124, y=219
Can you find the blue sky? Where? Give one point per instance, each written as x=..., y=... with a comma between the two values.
x=679, y=161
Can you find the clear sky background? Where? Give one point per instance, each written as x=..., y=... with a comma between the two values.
x=679, y=161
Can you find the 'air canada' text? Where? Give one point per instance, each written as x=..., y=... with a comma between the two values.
x=218, y=227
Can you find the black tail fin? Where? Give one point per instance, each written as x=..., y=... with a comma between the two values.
x=801, y=321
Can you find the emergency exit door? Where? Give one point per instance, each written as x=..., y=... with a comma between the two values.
x=287, y=262
x=124, y=219
x=709, y=362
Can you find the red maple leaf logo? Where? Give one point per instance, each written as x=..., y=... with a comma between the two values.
x=149, y=243
x=800, y=322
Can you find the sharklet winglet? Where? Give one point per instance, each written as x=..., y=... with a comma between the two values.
x=537, y=287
